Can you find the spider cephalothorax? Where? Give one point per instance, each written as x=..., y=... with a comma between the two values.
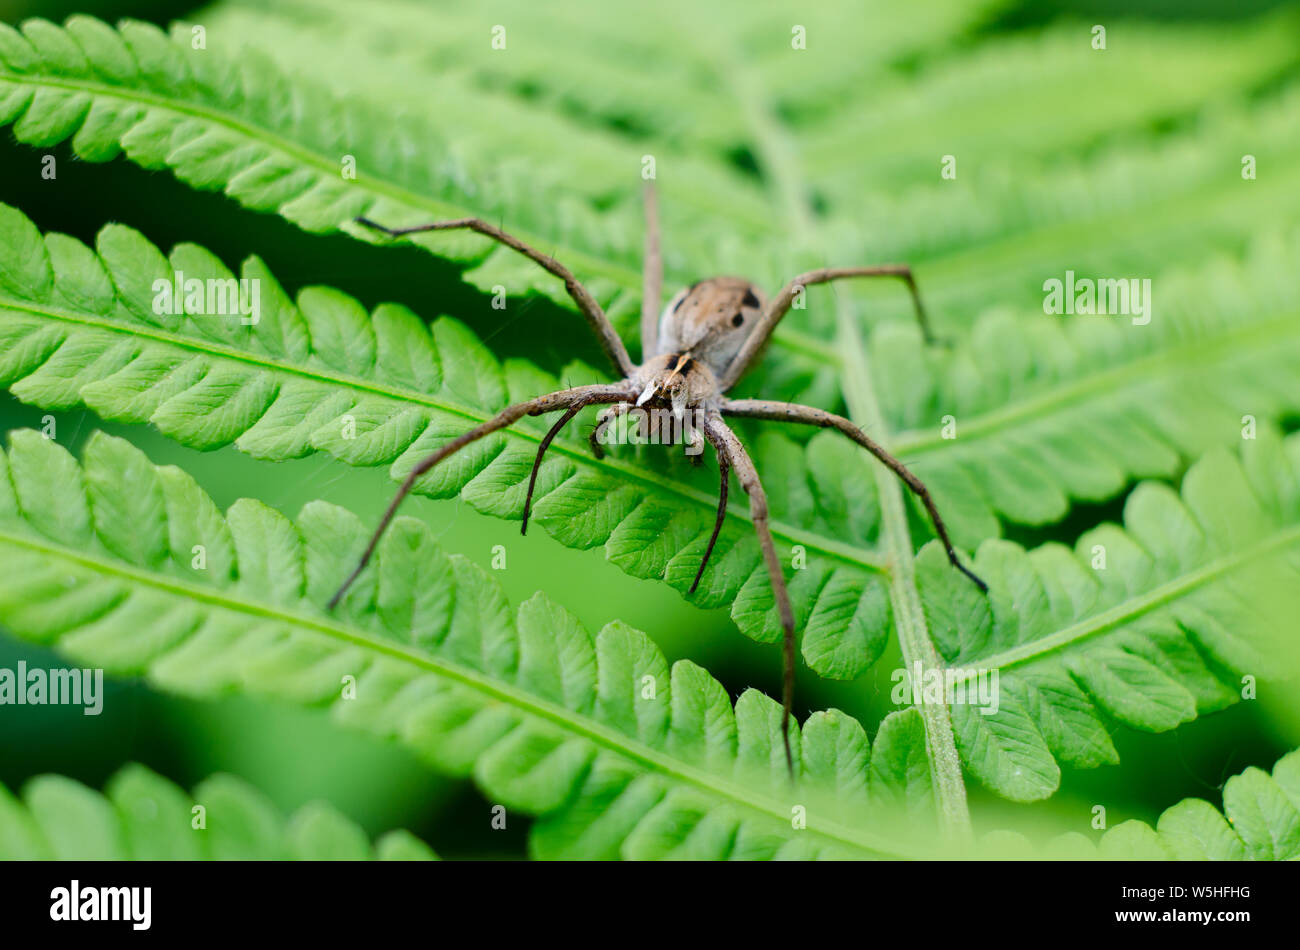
x=692, y=354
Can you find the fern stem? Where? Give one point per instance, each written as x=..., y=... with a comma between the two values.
x=913, y=632
x=779, y=161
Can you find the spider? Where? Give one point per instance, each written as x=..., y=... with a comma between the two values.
x=692, y=355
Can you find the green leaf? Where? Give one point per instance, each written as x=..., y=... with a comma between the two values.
x=319, y=374
x=227, y=118
x=1118, y=182
x=289, y=387
x=1260, y=821
x=141, y=816
x=616, y=751
x=1087, y=407
x=1045, y=413
x=1149, y=626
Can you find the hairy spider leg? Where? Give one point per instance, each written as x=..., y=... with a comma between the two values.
x=593, y=437
x=609, y=339
x=781, y=303
x=729, y=444
x=809, y=415
x=532, y=407
x=560, y=423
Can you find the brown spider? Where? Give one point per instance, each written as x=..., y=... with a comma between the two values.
x=693, y=353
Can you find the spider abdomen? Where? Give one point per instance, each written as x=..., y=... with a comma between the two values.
x=709, y=320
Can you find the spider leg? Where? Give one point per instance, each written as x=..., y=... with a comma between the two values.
x=578, y=405
x=724, y=470
x=600, y=325
x=781, y=303
x=808, y=415
x=730, y=445
x=652, y=276
x=532, y=407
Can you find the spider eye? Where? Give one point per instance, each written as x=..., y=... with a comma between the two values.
x=738, y=319
x=749, y=301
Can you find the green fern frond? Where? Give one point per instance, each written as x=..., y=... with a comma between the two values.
x=401, y=57
x=565, y=60
x=1045, y=410
x=131, y=568
x=322, y=375
x=1151, y=624
x=1259, y=821
x=236, y=123
x=1151, y=185
x=141, y=816
x=992, y=102
x=766, y=163
x=80, y=327
x=1128, y=210
x=553, y=722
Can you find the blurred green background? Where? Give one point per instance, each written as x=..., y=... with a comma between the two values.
x=296, y=755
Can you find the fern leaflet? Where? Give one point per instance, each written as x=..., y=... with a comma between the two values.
x=140, y=816
x=617, y=752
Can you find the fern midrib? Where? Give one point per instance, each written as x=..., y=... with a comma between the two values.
x=579, y=261
x=914, y=640
x=568, y=721
x=1133, y=608
x=837, y=550
x=1184, y=358
x=781, y=165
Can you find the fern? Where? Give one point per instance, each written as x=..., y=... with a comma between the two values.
x=617, y=752
x=1128, y=205
x=79, y=327
x=140, y=816
x=769, y=161
x=554, y=723
x=989, y=100
x=244, y=129
x=246, y=145
x=1051, y=410
x=989, y=111
x=1259, y=821
x=1150, y=623
x=582, y=67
